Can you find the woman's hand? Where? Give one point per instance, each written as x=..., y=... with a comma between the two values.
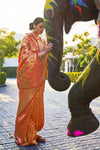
x=48, y=48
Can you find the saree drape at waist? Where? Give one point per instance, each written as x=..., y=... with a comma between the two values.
x=31, y=76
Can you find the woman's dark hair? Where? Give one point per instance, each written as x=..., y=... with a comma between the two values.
x=36, y=22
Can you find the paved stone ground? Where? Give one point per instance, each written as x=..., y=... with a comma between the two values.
x=57, y=116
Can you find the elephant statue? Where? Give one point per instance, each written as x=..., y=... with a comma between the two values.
x=59, y=15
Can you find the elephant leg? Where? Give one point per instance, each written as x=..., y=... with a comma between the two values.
x=83, y=121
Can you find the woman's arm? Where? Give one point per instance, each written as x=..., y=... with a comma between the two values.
x=46, y=51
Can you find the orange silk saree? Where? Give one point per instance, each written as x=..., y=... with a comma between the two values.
x=31, y=76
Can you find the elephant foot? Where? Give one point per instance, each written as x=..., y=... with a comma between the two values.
x=82, y=125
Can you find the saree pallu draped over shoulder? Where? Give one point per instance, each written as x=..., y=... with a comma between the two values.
x=31, y=76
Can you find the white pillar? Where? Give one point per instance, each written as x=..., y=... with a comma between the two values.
x=67, y=65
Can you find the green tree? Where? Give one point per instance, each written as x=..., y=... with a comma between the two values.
x=84, y=49
x=67, y=49
x=8, y=45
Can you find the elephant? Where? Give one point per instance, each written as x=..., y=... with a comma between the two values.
x=59, y=15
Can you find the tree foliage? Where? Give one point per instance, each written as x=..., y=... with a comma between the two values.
x=84, y=49
x=8, y=45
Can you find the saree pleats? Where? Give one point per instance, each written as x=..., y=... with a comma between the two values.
x=31, y=76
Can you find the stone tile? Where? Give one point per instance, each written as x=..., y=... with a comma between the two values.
x=57, y=116
x=2, y=147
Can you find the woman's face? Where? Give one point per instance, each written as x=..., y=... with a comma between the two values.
x=39, y=28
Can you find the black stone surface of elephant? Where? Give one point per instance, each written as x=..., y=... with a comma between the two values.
x=59, y=15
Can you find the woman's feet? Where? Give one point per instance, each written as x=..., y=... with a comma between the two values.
x=16, y=141
x=40, y=139
x=35, y=143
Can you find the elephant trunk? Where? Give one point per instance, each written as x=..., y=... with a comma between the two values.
x=58, y=80
x=54, y=30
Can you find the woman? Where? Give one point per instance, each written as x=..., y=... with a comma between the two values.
x=31, y=74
